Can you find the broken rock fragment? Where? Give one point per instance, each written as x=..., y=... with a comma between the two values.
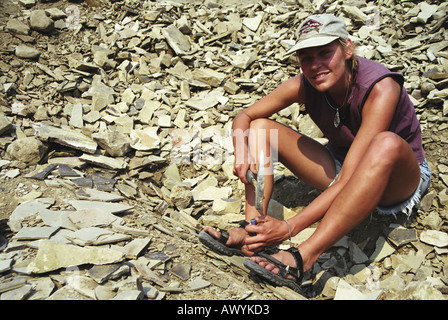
x=27, y=52
x=65, y=136
x=115, y=143
x=52, y=256
x=145, y=139
x=28, y=150
x=177, y=41
x=16, y=26
x=40, y=21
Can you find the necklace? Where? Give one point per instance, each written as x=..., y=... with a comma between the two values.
x=337, y=118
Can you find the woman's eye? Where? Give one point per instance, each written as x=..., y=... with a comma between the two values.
x=305, y=59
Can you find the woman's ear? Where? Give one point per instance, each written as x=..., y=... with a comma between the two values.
x=349, y=49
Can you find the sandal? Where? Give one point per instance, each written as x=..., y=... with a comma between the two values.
x=219, y=245
x=279, y=279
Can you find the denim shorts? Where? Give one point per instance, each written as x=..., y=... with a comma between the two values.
x=407, y=205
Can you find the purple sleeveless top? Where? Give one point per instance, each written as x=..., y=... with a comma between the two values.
x=404, y=122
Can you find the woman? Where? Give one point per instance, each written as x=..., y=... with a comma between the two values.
x=374, y=158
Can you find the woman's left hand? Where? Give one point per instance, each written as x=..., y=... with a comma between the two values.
x=268, y=231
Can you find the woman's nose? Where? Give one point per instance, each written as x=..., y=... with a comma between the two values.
x=316, y=63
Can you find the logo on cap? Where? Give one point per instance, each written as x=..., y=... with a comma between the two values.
x=309, y=26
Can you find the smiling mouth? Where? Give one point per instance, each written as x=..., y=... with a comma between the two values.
x=320, y=75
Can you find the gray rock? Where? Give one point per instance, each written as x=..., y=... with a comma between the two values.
x=26, y=52
x=21, y=293
x=28, y=150
x=426, y=12
x=23, y=211
x=177, y=41
x=102, y=273
x=432, y=220
x=94, y=217
x=33, y=233
x=401, y=236
x=104, y=292
x=94, y=236
x=105, y=162
x=181, y=196
x=102, y=96
x=40, y=21
x=181, y=270
x=357, y=256
x=11, y=284
x=5, y=265
x=105, y=206
x=115, y=143
x=434, y=238
x=145, y=139
x=16, y=26
x=129, y=86
x=58, y=219
x=52, y=256
x=129, y=295
x=244, y=59
x=135, y=248
x=97, y=195
x=42, y=288
x=197, y=284
x=76, y=119
x=65, y=136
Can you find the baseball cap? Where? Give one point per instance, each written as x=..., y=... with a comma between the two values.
x=319, y=30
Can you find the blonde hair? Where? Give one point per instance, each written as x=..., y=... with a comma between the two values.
x=353, y=60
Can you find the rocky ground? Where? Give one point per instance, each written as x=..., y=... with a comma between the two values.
x=115, y=148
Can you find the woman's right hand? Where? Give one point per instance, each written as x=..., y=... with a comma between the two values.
x=240, y=168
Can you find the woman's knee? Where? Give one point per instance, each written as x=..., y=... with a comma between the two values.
x=261, y=124
x=263, y=131
x=387, y=148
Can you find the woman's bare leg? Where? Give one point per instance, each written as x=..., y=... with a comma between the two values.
x=388, y=174
x=305, y=157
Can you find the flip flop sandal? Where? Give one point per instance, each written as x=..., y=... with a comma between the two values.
x=279, y=279
x=219, y=245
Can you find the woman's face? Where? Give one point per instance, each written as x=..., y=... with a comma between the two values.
x=325, y=66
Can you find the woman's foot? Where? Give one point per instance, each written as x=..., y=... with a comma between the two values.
x=232, y=239
x=284, y=268
x=284, y=257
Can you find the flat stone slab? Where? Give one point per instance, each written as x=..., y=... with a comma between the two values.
x=97, y=195
x=105, y=206
x=135, y=248
x=102, y=273
x=401, y=236
x=52, y=256
x=92, y=218
x=23, y=211
x=65, y=136
x=177, y=41
x=60, y=219
x=95, y=236
x=105, y=162
x=197, y=284
x=434, y=238
x=35, y=233
x=5, y=265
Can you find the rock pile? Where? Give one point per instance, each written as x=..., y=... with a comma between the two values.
x=116, y=148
